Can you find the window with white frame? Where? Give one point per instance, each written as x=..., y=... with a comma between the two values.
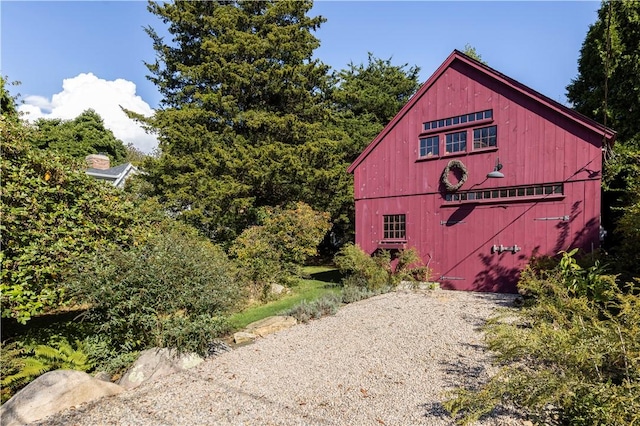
x=455, y=142
x=429, y=146
x=485, y=137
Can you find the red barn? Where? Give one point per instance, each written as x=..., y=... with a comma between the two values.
x=479, y=172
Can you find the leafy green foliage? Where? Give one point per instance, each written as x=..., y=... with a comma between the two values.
x=378, y=272
x=84, y=135
x=52, y=214
x=587, y=282
x=22, y=364
x=363, y=270
x=621, y=183
x=273, y=251
x=8, y=102
x=134, y=155
x=564, y=350
x=174, y=287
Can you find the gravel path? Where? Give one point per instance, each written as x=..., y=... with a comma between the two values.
x=382, y=361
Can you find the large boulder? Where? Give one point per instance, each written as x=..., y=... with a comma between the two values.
x=270, y=325
x=157, y=362
x=53, y=392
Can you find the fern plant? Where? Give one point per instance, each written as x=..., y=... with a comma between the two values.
x=27, y=362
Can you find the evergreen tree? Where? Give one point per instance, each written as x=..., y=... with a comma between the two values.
x=367, y=97
x=241, y=120
x=607, y=88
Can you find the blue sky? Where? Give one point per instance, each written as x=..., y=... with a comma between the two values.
x=98, y=47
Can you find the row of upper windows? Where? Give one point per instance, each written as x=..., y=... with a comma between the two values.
x=460, y=119
x=485, y=137
x=511, y=192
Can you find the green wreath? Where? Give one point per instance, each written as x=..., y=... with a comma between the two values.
x=457, y=164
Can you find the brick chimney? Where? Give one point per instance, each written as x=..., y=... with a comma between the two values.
x=97, y=161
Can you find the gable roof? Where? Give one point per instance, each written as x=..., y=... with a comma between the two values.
x=456, y=55
x=115, y=174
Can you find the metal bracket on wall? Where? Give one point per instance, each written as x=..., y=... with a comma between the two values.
x=451, y=222
x=564, y=218
x=442, y=277
x=499, y=249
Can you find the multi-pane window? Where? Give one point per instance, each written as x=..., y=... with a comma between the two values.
x=484, y=137
x=511, y=192
x=429, y=146
x=456, y=142
x=394, y=227
x=459, y=119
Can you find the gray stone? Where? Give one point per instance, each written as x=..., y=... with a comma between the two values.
x=157, y=362
x=53, y=392
x=243, y=337
x=271, y=325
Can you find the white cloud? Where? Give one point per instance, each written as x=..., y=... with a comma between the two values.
x=86, y=91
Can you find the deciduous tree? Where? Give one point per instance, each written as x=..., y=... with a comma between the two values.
x=52, y=213
x=84, y=135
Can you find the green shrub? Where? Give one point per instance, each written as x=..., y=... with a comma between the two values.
x=273, y=251
x=361, y=269
x=191, y=334
x=106, y=356
x=574, y=346
x=306, y=311
x=356, y=293
x=158, y=292
x=377, y=273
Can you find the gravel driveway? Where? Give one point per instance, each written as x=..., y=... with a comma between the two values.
x=382, y=361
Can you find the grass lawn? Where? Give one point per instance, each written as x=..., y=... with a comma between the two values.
x=323, y=280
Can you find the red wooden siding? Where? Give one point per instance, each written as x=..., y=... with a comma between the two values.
x=538, y=142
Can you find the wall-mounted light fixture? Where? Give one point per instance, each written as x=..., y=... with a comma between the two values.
x=496, y=174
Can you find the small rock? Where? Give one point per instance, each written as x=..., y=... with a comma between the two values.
x=53, y=392
x=243, y=337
